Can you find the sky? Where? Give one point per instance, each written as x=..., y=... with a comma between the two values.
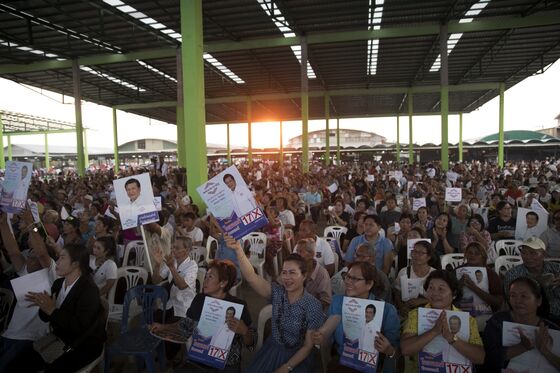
x=530, y=105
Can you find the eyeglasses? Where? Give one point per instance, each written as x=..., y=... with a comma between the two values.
x=363, y=256
x=418, y=252
x=352, y=279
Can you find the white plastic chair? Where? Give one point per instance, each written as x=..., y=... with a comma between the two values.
x=132, y=276
x=257, y=247
x=139, y=254
x=200, y=275
x=335, y=231
x=199, y=254
x=508, y=247
x=506, y=262
x=211, y=243
x=91, y=366
x=264, y=316
x=555, y=260
x=452, y=260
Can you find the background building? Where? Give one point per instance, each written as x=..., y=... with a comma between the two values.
x=348, y=138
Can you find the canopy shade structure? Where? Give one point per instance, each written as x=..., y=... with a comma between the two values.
x=127, y=51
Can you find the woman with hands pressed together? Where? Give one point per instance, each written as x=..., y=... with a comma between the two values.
x=440, y=235
x=359, y=283
x=441, y=289
x=219, y=279
x=529, y=306
x=74, y=312
x=295, y=314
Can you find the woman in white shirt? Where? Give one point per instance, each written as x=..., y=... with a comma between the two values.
x=104, y=269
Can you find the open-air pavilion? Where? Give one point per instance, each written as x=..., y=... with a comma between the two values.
x=198, y=62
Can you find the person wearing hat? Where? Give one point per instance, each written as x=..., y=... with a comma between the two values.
x=547, y=274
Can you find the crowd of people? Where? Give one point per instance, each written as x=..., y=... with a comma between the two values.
x=381, y=207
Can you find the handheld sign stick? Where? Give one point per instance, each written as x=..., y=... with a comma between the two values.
x=147, y=253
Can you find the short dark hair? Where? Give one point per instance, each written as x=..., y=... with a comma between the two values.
x=109, y=245
x=451, y=280
x=296, y=258
x=132, y=181
x=228, y=176
x=79, y=253
x=371, y=306
x=535, y=288
x=532, y=213
x=501, y=205
x=375, y=218
x=226, y=272
x=478, y=218
x=231, y=309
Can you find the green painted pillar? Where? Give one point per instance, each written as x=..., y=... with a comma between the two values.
x=9, y=147
x=338, y=141
x=115, y=141
x=249, y=134
x=47, y=160
x=180, y=123
x=327, y=132
x=460, y=137
x=2, y=159
x=410, y=102
x=281, y=145
x=193, y=97
x=228, y=146
x=81, y=165
x=501, y=127
x=444, y=98
x=398, y=155
x=86, y=155
x=304, y=108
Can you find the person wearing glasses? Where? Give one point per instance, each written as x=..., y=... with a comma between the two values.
x=475, y=232
x=551, y=237
x=547, y=274
x=295, y=314
x=360, y=283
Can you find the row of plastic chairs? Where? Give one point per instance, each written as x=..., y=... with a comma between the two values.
x=502, y=264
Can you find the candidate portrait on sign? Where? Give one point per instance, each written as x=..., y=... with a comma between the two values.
x=224, y=336
x=241, y=198
x=367, y=338
x=20, y=191
x=134, y=198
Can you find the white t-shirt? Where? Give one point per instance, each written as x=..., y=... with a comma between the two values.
x=181, y=300
x=107, y=271
x=367, y=338
x=223, y=337
x=195, y=235
x=287, y=217
x=402, y=273
x=25, y=323
x=323, y=252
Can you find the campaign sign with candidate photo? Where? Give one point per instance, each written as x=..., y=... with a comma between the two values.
x=16, y=184
x=471, y=302
x=232, y=203
x=438, y=355
x=530, y=223
x=212, y=337
x=135, y=199
x=361, y=320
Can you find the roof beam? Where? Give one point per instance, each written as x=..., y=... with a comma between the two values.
x=49, y=132
x=500, y=23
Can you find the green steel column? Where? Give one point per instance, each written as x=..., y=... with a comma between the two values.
x=78, y=112
x=410, y=102
x=86, y=155
x=47, y=160
x=304, y=109
x=338, y=141
x=501, y=128
x=281, y=145
x=398, y=141
x=181, y=156
x=444, y=98
x=2, y=159
x=9, y=147
x=460, y=137
x=115, y=141
x=327, y=132
x=193, y=97
x=249, y=134
x=228, y=146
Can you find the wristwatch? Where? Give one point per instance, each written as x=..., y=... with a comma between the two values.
x=290, y=369
x=455, y=339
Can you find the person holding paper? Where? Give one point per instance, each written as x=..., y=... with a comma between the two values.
x=337, y=215
x=295, y=314
x=529, y=306
x=359, y=283
x=441, y=289
x=25, y=326
x=475, y=232
x=242, y=199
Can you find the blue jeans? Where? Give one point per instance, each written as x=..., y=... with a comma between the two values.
x=11, y=349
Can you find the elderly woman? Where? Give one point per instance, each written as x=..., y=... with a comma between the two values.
x=441, y=289
x=359, y=283
x=317, y=279
x=295, y=313
x=219, y=279
x=529, y=306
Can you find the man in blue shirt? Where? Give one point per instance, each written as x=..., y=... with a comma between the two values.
x=383, y=246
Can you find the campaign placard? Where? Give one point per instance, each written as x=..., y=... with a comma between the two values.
x=15, y=186
x=438, y=355
x=212, y=337
x=417, y=203
x=471, y=302
x=530, y=223
x=232, y=204
x=361, y=320
x=532, y=360
x=453, y=194
x=411, y=288
x=135, y=199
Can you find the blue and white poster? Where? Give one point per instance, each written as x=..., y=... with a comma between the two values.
x=361, y=320
x=439, y=356
x=470, y=302
x=16, y=184
x=232, y=203
x=135, y=199
x=212, y=338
